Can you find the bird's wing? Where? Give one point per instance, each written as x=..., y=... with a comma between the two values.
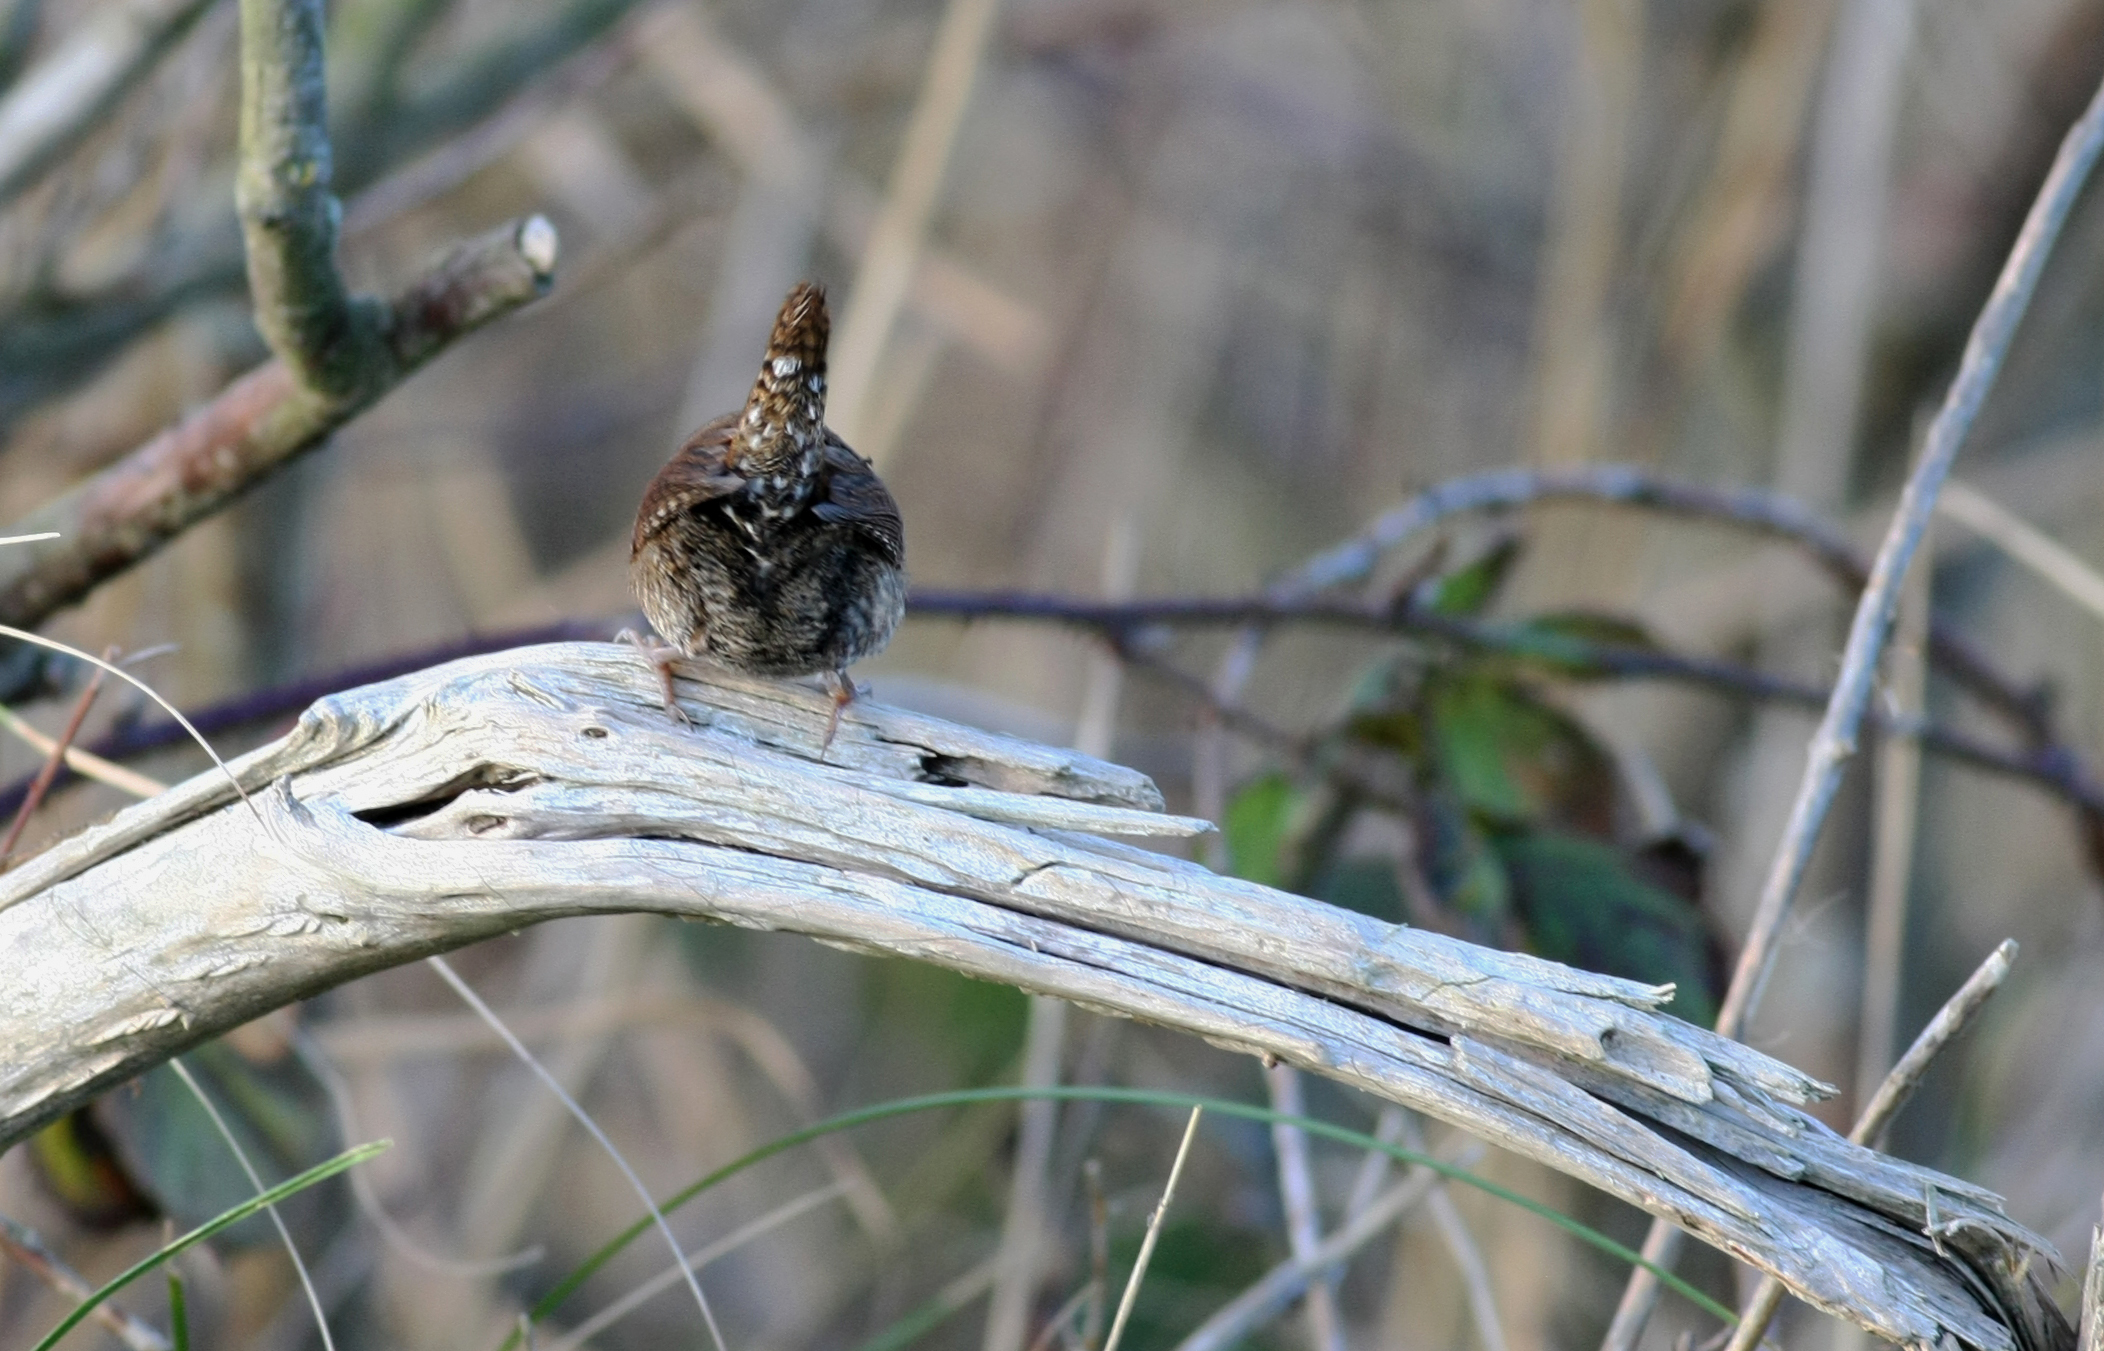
x=854, y=495
x=698, y=472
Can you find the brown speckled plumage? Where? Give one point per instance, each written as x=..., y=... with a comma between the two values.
x=765, y=542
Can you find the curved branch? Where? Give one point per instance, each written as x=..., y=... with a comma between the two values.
x=2053, y=767
x=1752, y=509
x=466, y=801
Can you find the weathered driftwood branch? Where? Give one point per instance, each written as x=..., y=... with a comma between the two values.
x=475, y=798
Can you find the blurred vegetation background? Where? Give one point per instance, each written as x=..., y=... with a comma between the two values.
x=1184, y=291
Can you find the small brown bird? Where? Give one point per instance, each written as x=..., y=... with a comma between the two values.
x=765, y=542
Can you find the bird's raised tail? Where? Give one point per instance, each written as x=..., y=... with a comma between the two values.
x=783, y=422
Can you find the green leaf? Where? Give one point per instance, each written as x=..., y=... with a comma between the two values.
x=1568, y=643
x=1469, y=590
x=1582, y=905
x=255, y=1205
x=1258, y=821
x=1513, y=760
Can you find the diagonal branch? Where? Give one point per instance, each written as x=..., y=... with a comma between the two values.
x=469, y=800
x=127, y=512
x=1835, y=742
x=334, y=352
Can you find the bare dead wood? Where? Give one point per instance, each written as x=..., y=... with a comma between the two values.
x=472, y=799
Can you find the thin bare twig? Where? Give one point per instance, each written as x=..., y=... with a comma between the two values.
x=23, y=1246
x=1154, y=1232
x=1757, y=510
x=1953, y=1018
x=1835, y=741
x=55, y=758
x=1279, y=1287
x=1462, y=1247
x=1099, y=1255
x=1296, y=1189
x=128, y=511
x=1123, y=625
x=1023, y=1227
x=289, y=217
x=1896, y=817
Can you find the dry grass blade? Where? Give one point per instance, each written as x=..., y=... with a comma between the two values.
x=899, y=234
x=70, y=92
x=2053, y=562
x=299, y=1265
x=391, y=1232
x=584, y=1119
x=1296, y=1186
x=1154, y=1232
x=745, y=1233
x=87, y=764
x=41, y=785
x=1270, y=1296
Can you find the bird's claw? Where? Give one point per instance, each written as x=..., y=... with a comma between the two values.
x=844, y=693
x=661, y=656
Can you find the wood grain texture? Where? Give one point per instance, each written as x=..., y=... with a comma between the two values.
x=472, y=799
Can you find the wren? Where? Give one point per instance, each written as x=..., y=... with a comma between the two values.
x=765, y=543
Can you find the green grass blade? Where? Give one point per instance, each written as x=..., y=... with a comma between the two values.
x=226, y=1220
x=964, y=1097
x=178, y=1313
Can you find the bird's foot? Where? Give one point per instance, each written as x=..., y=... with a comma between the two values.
x=844, y=693
x=661, y=656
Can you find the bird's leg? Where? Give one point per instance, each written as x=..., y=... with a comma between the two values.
x=661, y=657
x=844, y=692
